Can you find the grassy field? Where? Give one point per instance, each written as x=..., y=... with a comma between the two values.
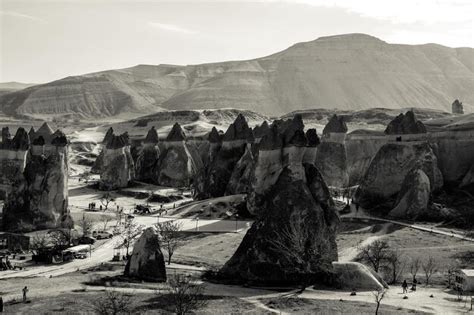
x=207, y=249
x=141, y=303
x=306, y=306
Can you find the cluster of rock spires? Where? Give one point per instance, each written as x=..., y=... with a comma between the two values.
x=34, y=179
x=404, y=174
x=173, y=162
x=290, y=199
x=405, y=124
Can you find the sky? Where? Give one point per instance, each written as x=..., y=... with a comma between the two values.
x=45, y=40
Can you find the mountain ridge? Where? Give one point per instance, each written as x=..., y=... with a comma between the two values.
x=349, y=71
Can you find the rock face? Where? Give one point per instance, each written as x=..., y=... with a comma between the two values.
x=387, y=171
x=240, y=180
x=148, y=156
x=118, y=168
x=13, y=155
x=213, y=180
x=331, y=160
x=457, y=107
x=413, y=198
x=147, y=261
x=178, y=164
x=292, y=203
x=99, y=162
x=331, y=155
x=468, y=179
x=405, y=124
x=335, y=125
x=39, y=194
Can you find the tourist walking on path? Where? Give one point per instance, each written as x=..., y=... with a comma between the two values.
x=405, y=286
x=415, y=282
x=25, y=290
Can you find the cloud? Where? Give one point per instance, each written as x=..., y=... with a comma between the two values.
x=400, y=11
x=171, y=28
x=22, y=16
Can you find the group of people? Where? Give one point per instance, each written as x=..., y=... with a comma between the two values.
x=92, y=206
x=6, y=264
x=413, y=285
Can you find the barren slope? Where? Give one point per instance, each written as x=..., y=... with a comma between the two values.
x=348, y=72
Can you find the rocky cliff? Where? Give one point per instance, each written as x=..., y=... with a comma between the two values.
x=405, y=124
x=148, y=156
x=147, y=261
x=38, y=198
x=118, y=168
x=331, y=155
x=293, y=239
x=213, y=180
x=179, y=162
x=389, y=168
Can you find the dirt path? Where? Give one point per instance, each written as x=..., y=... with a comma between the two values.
x=362, y=215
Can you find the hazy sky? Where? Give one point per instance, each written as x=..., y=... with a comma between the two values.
x=44, y=40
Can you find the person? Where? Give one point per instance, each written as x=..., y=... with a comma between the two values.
x=357, y=207
x=405, y=286
x=1, y=304
x=8, y=263
x=415, y=282
x=25, y=290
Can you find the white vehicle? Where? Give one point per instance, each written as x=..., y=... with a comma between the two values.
x=101, y=234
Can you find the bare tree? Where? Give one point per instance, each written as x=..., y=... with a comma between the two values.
x=302, y=246
x=105, y=219
x=429, y=267
x=375, y=254
x=39, y=242
x=415, y=265
x=170, y=238
x=185, y=295
x=130, y=231
x=378, y=296
x=106, y=199
x=397, y=264
x=86, y=224
x=112, y=303
x=60, y=237
x=451, y=273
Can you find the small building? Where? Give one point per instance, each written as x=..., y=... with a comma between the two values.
x=465, y=280
x=14, y=242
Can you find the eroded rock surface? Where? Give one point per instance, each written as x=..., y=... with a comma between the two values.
x=336, y=124
x=178, y=163
x=390, y=166
x=38, y=198
x=118, y=168
x=147, y=261
x=213, y=180
x=293, y=238
x=147, y=157
x=457, y=107
x=405, y=124
x=413, y=198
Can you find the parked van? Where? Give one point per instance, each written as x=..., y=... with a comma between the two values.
x=101, y=235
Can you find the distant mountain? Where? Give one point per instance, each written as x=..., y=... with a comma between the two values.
x=348, y=72
x=8, y=87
